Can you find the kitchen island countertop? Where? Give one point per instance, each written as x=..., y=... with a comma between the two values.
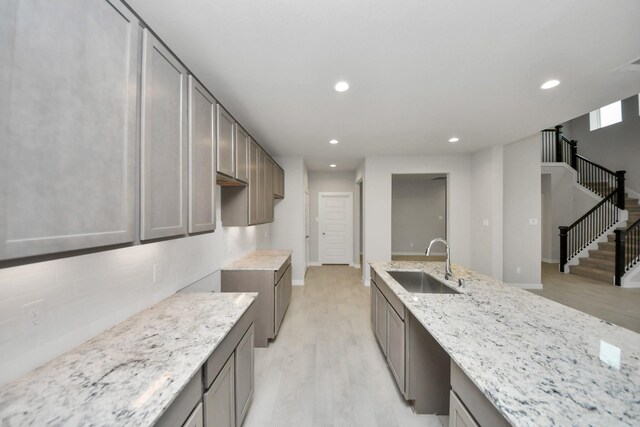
x=537, y=361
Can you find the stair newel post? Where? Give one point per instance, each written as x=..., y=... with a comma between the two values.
x=559, y=143
x=620, y=255
x=564, y=231
x=620, y=181
x=574, y=154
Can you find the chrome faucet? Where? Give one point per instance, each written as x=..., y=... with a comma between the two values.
x=448, y=273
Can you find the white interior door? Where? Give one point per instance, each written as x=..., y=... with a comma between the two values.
x=335, y=228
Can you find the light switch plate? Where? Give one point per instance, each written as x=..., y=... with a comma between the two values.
x=485, y=222
x=533, y=221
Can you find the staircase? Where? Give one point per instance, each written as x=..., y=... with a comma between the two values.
x=621, y=250
x=601, y=263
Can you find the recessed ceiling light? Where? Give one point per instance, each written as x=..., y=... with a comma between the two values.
x=341, y=86
x=333, y=141
x=332, y=165
x=454, y=139
x=550, y=84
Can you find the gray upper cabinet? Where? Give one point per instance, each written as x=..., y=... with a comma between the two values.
x=202, y=158
x=269, y=173
x=225, y=139
x=68, y=109
x=164, y=142
x=242, y=154
x=254, y=184
x=278, y=182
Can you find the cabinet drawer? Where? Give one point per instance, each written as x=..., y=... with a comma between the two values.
x=394, y=301
x=196, y=418
x=458, y=414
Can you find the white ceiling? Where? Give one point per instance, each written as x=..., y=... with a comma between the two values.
x=420, y=71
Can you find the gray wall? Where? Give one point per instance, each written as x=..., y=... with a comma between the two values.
x=288, y=224
x=616, y=147
x=522, y=202
x=418, y=213
x=327, y=182
x=487, y=211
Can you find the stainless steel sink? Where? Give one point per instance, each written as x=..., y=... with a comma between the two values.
x=421, y=282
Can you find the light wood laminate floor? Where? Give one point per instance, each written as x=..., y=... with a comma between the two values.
x=325, y=367
x=620, y=306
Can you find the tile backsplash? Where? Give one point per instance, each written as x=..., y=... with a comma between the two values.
x=50, y=307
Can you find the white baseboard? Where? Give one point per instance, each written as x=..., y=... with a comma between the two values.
x=314, y=264
x=551, y=261
x=354, y=265
x=366, y=283
x=526, y=285
x=416, y=253
x=297, y=282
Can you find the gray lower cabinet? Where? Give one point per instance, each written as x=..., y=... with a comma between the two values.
x=468, y=406
x=381, y=320
x=244, y=375
x=459, y=416
x=396, y=352
x=242, y=154
x=226, y=145
x=163, y=142
x=68, y=115
x=274, y=296
x=419, y=365
x=184, y=409
x=219, y=399
x=196, y=418
x=202, y=158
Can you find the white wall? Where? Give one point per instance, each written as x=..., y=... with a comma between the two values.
x=287, y=229
x=418, y=213
x=564, y=201
x=487, y=211
x=522, y=202
x=327, y=182
x=377, y=202
x=616, y=147
x=79, y=297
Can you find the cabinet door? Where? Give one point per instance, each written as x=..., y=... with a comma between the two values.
x=202, y=159
x=226, y=144
x=244, y=375
x=219, y=400
x=289, y=282
x=196, y=418
x=396, y=347
x=242, y=142
x=459, y=416
x=262, y=185
x=269, y=189
x=68, y=117
x=279, y=305
x=254, y=184
x=372, y=291
x=381, y=320
x=164, y=142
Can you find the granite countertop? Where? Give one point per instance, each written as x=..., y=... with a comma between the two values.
x=537, y=361
x=260, y=260
x=130, y=374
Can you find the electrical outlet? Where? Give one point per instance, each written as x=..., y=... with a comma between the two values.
x=33, y=312
x=518, y=270
x=485, y=222
x=411, y=244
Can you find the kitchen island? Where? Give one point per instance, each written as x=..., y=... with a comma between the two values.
x=132, y=374
x=536, y=361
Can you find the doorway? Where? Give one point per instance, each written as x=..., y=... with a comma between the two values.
x=418, y=215
x=335, y=243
